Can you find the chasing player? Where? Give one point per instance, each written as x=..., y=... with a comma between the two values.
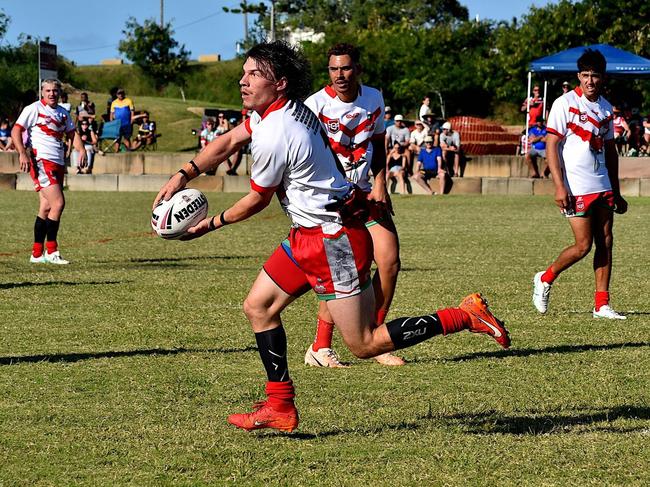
x=47, y=124
x=331, y=246
x=582, y=157
x=352, y=115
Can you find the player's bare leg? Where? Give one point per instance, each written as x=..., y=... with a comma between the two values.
x=602, y=224
x=441, y=183
x=262, y=307
x=51, y=203
x=386, y=255
x=419, y=179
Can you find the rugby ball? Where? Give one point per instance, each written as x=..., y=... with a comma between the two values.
x=171, y=219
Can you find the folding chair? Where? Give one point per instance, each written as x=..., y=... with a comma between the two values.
x=109, y=136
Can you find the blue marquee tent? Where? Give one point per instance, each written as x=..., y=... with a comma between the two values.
x=619, y=62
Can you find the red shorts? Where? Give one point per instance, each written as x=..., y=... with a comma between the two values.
x=582, y=204
x=334, y=265
x=46, y=173
x=377, y=213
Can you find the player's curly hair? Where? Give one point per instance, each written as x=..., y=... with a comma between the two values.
x=343, y=49
x=278, y=60
x=592, y=59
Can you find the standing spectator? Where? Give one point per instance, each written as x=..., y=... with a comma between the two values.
x=425, y=109
x=397, y=165
x=450, y=145
x=645, y=147
x=122, y=109
x=86, y=108
x=536, y=148
x=112, y=96
x=430, y=165
x=208, y=134
x=566, y=87
x=584, y=163
x=536, y=106
x=89, y=139
x=47, y=124
x=397, y=134
x=388, y=117
x=621, y=131
x=6, y=144
x=64, y=103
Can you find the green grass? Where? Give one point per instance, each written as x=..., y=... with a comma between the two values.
x=122, y=367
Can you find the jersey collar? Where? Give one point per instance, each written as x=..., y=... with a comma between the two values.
x=330, y=91
x=276, y=105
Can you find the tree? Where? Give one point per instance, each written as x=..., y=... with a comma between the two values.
x=152, y=48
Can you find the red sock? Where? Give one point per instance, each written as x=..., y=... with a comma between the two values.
x=601, y=298
x=381, y=316
x=51, y=246
x=453, y=320
x=549, y=276
x=324, y=332
x=280, y=395
x=37, y=249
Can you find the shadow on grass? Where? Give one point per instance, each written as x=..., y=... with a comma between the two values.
x=13, y=285
x=77, y=357
x=527, y=352
x=495, y=422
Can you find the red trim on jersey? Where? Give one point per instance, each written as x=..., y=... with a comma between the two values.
x=330, y=91
x=52, y=120
x=48, y=131
x=346, y=151
x=358, y=129
x=578, y=91
x=19, y=126
x=554, y=132
x=276, y=105
x=579, y=131
x=247, y=126
x=43, y=102
x=261, y=189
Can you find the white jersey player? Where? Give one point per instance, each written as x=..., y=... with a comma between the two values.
x=47, y=124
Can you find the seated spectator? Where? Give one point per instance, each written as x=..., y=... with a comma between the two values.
x=89, y=139
x=450, y=145
x=417, y=138
x=223, y=125
x=430, y=165
x=621, y=131
x=566, y=87
x=397, y=163
x=123, y=109
x=536, y=148
x=635, y=124
x=146, y=132
x=208, y=134
x=6, y=144
x=645, y=143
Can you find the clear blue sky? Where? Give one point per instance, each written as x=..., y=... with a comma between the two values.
x=87, y=31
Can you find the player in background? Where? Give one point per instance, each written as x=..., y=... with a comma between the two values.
x=47, y=124
x=352, y=115
x=331, y=246
x=582, y=157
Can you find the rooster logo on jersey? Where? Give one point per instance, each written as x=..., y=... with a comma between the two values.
x=333, y=125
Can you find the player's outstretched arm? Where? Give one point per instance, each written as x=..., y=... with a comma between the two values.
x=246, y=207
x=214, y=154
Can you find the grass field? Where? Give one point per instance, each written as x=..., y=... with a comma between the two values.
x=122, y=367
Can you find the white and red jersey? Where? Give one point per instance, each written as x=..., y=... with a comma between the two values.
x=350, y=127
x=584, y=126
x=46, y=127
x=291, y=156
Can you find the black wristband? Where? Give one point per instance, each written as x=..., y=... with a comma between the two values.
x=184, y=173
x=222, y=220
x=196, y=168
x=211, y=226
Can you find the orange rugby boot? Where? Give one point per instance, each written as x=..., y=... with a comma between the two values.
x=483, y=321
x=264, y=416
